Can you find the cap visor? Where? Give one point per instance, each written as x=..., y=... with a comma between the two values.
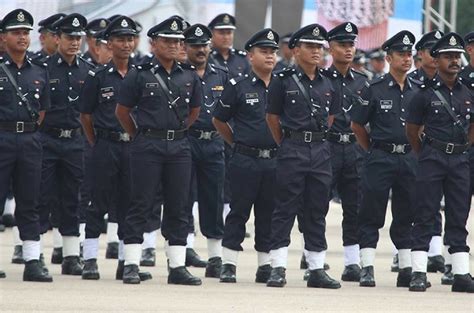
x=451, y=50
x=82, y=33
x=123, y=33
x=319, y=42
x=175, y=36
x=224, y=27
x=18, y=27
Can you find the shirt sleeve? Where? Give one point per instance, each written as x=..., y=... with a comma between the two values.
x=88, y=99
x=416, y=109
x=128, y=94
x=197, y=97
x=45, y=98
x=276, y=97
x=362, y=112
x=227, y=105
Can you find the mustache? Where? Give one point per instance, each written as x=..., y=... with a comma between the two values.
x=200, y=54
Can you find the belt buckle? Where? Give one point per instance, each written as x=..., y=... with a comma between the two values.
x=344, y=138
x=308, y=136
x=125, y=137
x=449, y=148
x=170, y=135
x=398, y=148
x=65, y=133
x=20, y=127
x=264, y=154
x=205, y=135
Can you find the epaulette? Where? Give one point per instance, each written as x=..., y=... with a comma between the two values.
x=186, y=66
x=428, y=83
x=286, y=72
x=377, y=80
x=239, y=52
x=87, y=62
x=234, y=81
x=97, y=69
x=219, y=67
x=144, y=66
x=359, y=72
x=40, y=62
x=415, y=81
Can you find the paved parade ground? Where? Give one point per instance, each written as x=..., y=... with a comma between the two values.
x=71, y=294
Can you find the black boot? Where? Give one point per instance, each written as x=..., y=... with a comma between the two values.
x=394, y=266
x=112, y=250
x=43, y=264
x=463, y=283
x=263, y=273
x=404, y=277
x=435, y=264
x=448, y=276
x=57, y=256
x=306, y=275
x=34, y=272
x=119, y=272
x=367, y=278
x=71, y=266
x=320, y=279
x=351, y=273
x=148, y=257
x=181, y=276
x=228, y=273
x=8, y=220
x=130, y=274
x=2, y=274
x=17, y=257
x=303, y=263
x=90, y=270
x=418, y=282
x=193, y=259
x=277, y=277
x=213, y=267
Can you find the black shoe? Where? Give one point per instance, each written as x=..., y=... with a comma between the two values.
x=320, y=279
x=8, y=220
x=2, y=274
x=418, y=282
x=112, y=250
x=263, y=273
x=463, y=283
x=448, y=276
x=43, y=264
x=326, y=266
x=34, y=272
x=303, y=263
x=213, y=267
x=181, y=276
x=277, y=277
x=351, y=273
x=394, y=266
x=193, y=259
x=435, y=264
x=17, y=257
x=404, y=277
x=57, y=256
x=119, y=272
x=367, y=277
x=306, y=275
x=130, y=274
x=148, y=257
x=71, y=266
x=90, y=270
x=228, y=273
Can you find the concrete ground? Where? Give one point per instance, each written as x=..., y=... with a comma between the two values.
x=71, y=294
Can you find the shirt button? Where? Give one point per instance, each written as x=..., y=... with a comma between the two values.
x=451, y=93
x=70, y=88
x=386, y=111
x=403, y=110
x=436, y=111
x=208, y=111
x=53, y=88
x=169, y=78
x=203, y=83
x=19, y=103
x=205, y=97
x=293, y=101
x=343, y=84
x=19, y=73
x=310, y=86
x=171, y=92
x=401, y=96
x=151, y=94
x=403, y=123
x=19, y=88
x=69, y=73
x=344, y=96
x=108, y=98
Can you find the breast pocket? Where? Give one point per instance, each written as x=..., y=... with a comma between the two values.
x=437, y=112
x=107, y=95
x=6, y=93
x=386, y=111
x=466, y=110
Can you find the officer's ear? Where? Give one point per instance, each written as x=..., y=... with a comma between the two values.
x=389, y=57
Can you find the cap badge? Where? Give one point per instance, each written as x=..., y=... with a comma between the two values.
x=452, y=41
x=437, y=35
x=316, y=31
x=348, y=28
x=270, y=35
x=124, y=23
x=226, y=19
x=198, y=32
x=75, y=22
x=174, y=26
x=20, y=17
x=406, y=40
x=103, y=24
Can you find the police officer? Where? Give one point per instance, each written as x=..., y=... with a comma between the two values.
x=207, y=147
x=377, y=62
x=443, y=107
x=390, y=163
x=91, y=29
x=47, y=37
x=301, y=106
x=24, y=98
x=359, y=63
x=252, y=165
x=426, y=72
x=467, y=72
x=167, y=97
x=62, y=141
x=346, y=154
x=286, y=60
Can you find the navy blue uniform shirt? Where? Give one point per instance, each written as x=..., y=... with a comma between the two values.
x=65, y=82
x=237, y=63
x=385, y=108
x=141, y=89
x=244, y=100
x=287, y=101
x=33, y=79
x=426, y=109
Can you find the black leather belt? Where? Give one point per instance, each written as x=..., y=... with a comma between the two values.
x=165, y=134
x=203, y=134
x=60, y=132
x=305, y=136
x=392, y=147
x=255, y=152
x=341, y=138
x=19, y=127
x=113, y=135
x=447, y=147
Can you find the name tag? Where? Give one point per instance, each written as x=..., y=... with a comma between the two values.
x=251, y=101
x=386, y=104
x=107, y=92
x=251, y=95
x=3, y=79
x=436, y=103
x=292, y=92
x=54, y=81
x=151, y=85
